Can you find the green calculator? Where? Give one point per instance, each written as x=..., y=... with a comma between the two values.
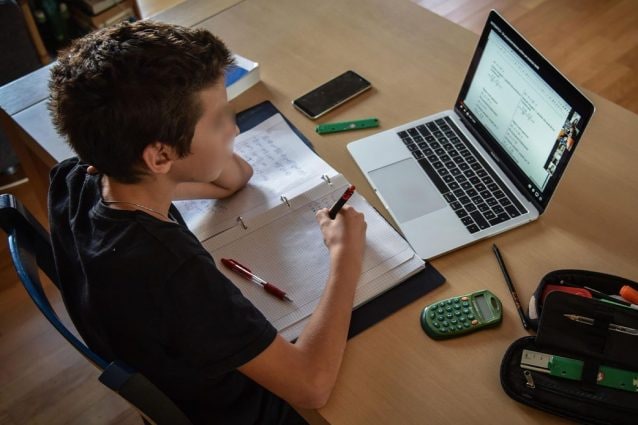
x=461, y=315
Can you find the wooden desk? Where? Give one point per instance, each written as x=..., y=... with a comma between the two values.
x=393, y=373
x=416, y=61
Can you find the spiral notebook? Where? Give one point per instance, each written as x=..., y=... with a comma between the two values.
x=270, y=227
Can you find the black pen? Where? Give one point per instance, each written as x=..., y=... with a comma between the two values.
x=510, y=285
x=341, y=202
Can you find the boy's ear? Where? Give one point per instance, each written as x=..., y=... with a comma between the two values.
x=158, y=157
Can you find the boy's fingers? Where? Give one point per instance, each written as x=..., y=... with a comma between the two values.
x=322, y=214
x=350, y=211
x=347, y=209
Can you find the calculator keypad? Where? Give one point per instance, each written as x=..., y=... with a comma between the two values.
x=452, y=315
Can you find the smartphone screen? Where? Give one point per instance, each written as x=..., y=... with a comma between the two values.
x=331, y=94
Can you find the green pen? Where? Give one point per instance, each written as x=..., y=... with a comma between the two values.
x=335, y=127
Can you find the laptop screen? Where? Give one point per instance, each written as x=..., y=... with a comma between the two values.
x=528, y=115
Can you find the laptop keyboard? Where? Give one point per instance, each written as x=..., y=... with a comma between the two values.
x=476, y=194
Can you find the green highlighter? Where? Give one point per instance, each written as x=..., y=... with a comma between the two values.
x=461, y=315
x=335, y=127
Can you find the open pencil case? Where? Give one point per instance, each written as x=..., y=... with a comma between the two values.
x=583, y=362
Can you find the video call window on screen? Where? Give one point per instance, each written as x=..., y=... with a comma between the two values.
x=564, y=143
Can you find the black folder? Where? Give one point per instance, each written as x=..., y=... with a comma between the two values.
x=390, y=301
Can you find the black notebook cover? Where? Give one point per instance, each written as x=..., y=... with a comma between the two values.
x=390, y=301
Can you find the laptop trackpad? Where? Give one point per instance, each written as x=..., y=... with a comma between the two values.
x=407, y=190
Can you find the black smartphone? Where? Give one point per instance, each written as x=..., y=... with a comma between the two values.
x=331, y=94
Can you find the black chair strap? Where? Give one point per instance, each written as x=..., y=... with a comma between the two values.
x=143, y=394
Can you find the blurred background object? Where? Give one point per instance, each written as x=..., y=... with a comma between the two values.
x=19, y=57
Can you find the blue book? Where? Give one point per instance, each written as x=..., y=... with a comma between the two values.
x=241, y=76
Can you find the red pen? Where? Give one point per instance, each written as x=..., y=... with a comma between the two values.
x=245, y=272
x=341, y=202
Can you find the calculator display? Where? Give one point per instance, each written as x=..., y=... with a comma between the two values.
x=483, y=307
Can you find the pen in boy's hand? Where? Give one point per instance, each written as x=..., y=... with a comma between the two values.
x=341, y=202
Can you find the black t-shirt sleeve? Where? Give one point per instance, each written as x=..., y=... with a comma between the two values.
x=215, y=328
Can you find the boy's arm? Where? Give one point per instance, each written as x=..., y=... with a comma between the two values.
x=304, y=373
x=234, y=177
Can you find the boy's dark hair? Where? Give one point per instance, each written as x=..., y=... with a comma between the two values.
x=119, y=89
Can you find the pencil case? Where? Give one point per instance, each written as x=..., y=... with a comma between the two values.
x=583, y=362
x=601, y=282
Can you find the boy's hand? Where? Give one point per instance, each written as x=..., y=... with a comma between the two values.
x=305, y=372
x=234, y=177
x=345, y=235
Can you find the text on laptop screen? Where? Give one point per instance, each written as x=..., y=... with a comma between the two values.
x=531, y=122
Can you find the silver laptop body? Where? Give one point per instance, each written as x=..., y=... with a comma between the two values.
x=489, y=164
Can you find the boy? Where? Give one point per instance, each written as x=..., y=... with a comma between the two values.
x=145, y=105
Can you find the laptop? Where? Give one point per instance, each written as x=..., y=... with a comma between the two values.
x=492, y=162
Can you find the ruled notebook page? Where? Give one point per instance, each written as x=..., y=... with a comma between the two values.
x=285, y=247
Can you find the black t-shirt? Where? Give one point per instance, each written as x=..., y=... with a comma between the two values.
x=145, y=292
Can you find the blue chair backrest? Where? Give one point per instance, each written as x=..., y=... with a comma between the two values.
x=30, y=248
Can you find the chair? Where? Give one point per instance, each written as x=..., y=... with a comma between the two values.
x=30, y=249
